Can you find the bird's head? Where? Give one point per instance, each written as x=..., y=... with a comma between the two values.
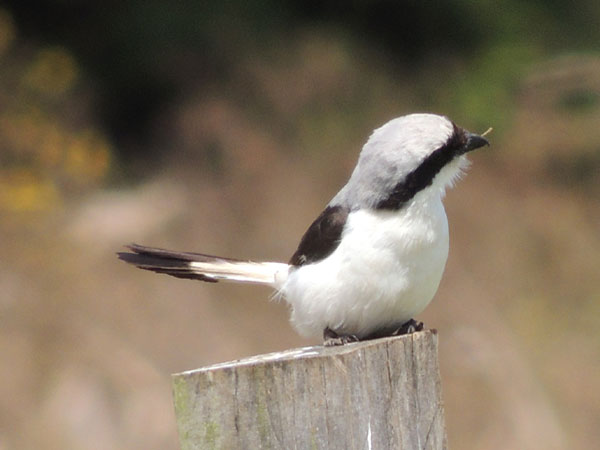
x=410, y=154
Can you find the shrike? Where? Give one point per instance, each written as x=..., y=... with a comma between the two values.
x=374, y=258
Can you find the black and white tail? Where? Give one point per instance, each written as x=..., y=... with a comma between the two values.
x=197, y=266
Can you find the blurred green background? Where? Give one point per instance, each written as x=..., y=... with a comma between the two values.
x=225, y=127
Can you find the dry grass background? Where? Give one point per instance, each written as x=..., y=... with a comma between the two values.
x=88, y=343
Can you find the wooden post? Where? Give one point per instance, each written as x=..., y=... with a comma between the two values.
x=379, y=394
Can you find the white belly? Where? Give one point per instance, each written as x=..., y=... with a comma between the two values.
x=385, y=271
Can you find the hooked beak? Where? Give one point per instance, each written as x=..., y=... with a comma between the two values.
x=474, y=141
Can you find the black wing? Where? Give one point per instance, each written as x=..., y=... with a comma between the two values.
x=322, y=237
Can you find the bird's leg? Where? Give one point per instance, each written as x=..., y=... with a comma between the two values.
x=412, y=326
x=331, y=338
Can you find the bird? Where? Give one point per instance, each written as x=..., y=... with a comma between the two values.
x=374, y=257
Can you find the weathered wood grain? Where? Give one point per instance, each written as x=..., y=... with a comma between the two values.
x=380, y=394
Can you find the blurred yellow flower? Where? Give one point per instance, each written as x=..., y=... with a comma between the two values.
x=51, y=146
x=87, y=157
x=52, y=72
x=23, y=191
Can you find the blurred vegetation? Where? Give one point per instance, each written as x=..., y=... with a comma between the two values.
x=139, y=52
x=82, y=81
x=50, y=143
x=193, y=124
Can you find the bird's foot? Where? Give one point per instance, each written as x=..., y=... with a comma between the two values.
x=412, y=326
x=331, y=338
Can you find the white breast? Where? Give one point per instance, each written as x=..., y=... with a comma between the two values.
x=385, y=271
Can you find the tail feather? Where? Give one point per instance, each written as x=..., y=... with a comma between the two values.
x=198, y=266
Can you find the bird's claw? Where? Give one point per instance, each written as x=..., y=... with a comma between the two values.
x=331, y=338
x=412, y=326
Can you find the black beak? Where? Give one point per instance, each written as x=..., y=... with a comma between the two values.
x=474, y=141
